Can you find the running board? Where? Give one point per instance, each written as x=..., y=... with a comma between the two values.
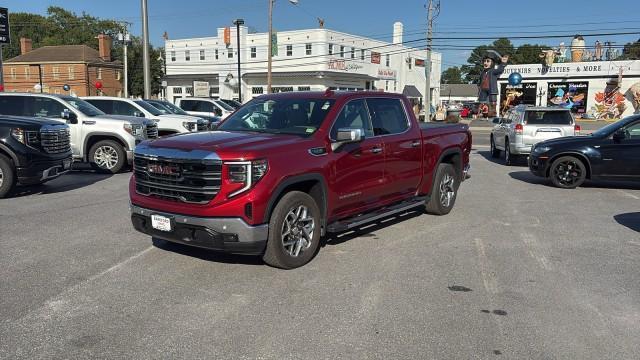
x=353, y=222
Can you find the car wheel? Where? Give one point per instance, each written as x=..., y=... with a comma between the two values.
x=445, y=190
x=508, y=159
x=7, y=176
x=495, y=153
x=568, y=172
x=294, y=231
x=107, y=156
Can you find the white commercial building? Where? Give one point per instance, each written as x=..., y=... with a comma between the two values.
x=314, y=59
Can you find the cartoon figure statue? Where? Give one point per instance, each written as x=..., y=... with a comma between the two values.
x=599, y=49
x=633, y=95
x=488, y=87
x=562, y=53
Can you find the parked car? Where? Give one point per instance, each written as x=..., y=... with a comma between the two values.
x=524, y=126
x=611, y=153
x=32, y=151
x=105, y=141
x=167, y=124
x=168, y=108
x=287, y=168
x=205, y=106
x=233, y=103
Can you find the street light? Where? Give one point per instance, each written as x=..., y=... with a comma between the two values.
x=270, y=44
x=237, y=23
x=125, y=40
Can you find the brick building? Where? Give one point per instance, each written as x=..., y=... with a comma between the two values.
x=78, y=66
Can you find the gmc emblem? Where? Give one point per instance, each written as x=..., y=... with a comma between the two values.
x=163, y=169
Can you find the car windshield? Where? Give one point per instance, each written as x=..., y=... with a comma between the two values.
x=611, y=128
x=280, y=116
x=224, y=106
x=174, y=109
x=83, y=106
x=554, y=117
x=149, y=108
x=163, y=109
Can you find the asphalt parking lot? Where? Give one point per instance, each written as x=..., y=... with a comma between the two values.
x=517, y=270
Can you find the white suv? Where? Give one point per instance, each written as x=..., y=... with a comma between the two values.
x=524, y=126
x=205, y=107
x=167, y=124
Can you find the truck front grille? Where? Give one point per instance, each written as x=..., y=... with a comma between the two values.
x=202, y=126
x=55, y=141
x=152, y=131
x=189, y=181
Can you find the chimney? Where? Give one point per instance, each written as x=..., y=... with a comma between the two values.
x=26, y=45
x=397, y=32
x=104, y=47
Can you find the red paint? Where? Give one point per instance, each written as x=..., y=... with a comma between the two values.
x=98, y=85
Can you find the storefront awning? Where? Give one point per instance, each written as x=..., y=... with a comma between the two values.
x=411, y=91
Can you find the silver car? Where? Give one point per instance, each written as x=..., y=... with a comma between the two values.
x=524, y=126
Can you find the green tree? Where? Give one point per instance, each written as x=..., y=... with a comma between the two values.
x=631, y=51
x=136, y=70
x=527, y=54
x=452, y=75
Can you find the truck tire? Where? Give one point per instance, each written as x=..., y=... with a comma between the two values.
x=294, y=231
x=567, y=172
x=7, y=176
x=445, y=190
x=107, y=156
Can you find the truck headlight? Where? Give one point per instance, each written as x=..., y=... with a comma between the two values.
x=18, y=134
x=245, y=174
x=189, y=125
x=137, y=130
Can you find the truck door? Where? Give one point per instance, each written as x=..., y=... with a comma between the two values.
x=358, y=168
x=402, y=147
x=52, y=109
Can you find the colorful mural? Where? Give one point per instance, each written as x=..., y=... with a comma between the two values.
x=609, y=104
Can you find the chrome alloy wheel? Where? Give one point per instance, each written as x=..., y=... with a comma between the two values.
x=567, y=172
x=447, y=190
x=297, y=230
x=106, y=157
x=1, y=177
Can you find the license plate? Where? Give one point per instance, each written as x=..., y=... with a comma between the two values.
x=161, y=223
x=66, y=164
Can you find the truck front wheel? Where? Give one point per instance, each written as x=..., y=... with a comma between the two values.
x=294, y=231
x=445, y=190
x=107, y=156
x=7, y=176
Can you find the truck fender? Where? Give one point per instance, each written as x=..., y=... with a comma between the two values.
x=85, y=151
x=13, y=156
x=445, y=153
x=279, y=192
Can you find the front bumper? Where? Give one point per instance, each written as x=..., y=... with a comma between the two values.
x=130, y=156
x=41, y=171
x=521, y=149
x=230, y=235
x=538, y=165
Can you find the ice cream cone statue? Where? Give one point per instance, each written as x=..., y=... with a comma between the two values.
x=577, y=48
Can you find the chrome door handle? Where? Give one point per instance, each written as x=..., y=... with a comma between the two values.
x=415, y=144
x=376, y=150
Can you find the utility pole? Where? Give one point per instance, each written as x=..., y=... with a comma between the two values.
x=270, y=50
x=125, y=39
x=145, y=50
x=239, y=22
x=1, y=71
x=427, y=66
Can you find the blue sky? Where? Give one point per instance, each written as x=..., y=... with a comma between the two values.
x=458, y=18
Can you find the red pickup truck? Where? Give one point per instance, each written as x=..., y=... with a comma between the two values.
x=285, y=169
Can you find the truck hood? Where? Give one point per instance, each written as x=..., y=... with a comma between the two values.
x=123, y=118
x=178, y=117
x=30, y=121
x=232, y=142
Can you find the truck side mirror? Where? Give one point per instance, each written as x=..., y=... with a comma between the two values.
x=138, y=114
x=347, y=136
x=69, y=116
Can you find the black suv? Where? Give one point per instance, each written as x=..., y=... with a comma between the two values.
x=32, y=151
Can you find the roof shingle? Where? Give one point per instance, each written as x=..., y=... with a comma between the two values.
x=61, y=53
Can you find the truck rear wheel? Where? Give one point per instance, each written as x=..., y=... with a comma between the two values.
x=7, y=176
x=107, y=156
x=294, y=231
x=445, y=190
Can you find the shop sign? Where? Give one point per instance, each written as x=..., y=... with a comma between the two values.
x=386, y=74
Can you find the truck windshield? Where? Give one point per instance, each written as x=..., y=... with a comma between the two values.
x=173, y=108
x=553, y=117
x=83, y=106
x=224, y=106
x=149, y=108
x=280, y=116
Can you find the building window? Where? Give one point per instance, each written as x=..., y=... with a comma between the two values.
x=395, y=86
x=362, y=53
x=289, y=50
x=304, y=88
x=118, y=75
x=386, y=86
x=387, y=60
x=253, y=52
x=72, y=74
x=257, y=90
x=173, y=56
x=216, y=54
x=341, y=50
x=56, y=73
x=13, y=73
x=279, y=89
x=187, y=55
x=27, y=73
x=330, y=49
x=201, y=55
x=353, y=53
x=307, y=49
x=177, y=90
x=189, y=90
x=99, y=73
x=230, y=53
x=213, y=91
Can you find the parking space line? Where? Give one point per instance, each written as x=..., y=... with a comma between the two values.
x=534, y=250
x=488, y=278
x=628, y=194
